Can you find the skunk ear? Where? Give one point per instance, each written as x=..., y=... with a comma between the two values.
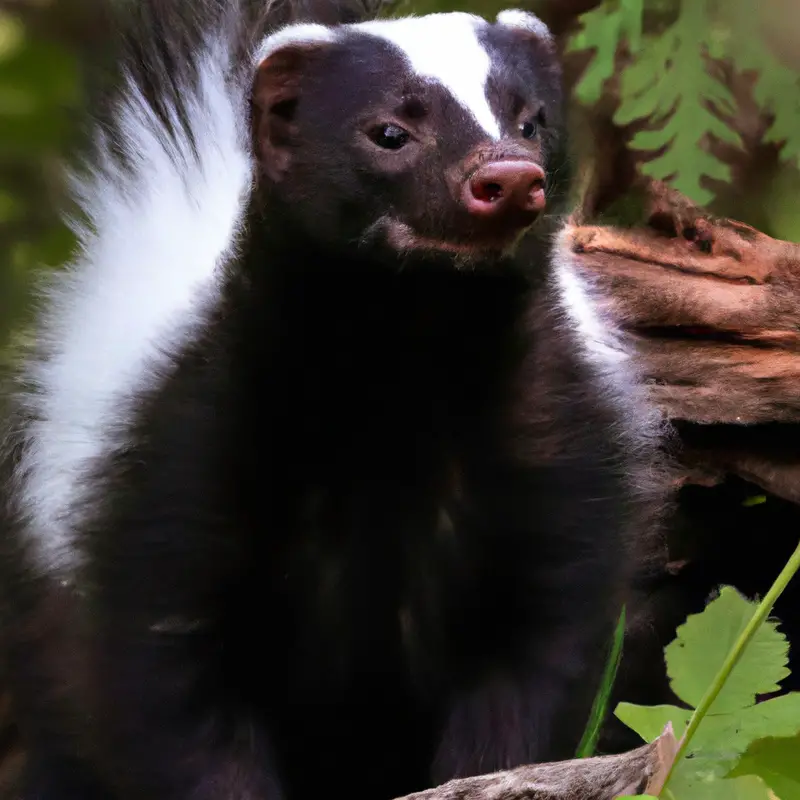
x=527, y=22
x=283, y=59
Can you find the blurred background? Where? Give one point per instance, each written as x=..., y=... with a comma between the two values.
x=703, y=93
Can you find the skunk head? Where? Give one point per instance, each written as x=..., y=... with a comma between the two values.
x=440, y=133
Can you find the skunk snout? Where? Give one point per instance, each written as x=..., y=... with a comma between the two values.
x=505, y=189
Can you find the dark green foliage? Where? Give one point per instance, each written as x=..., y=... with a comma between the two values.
x=670, y=77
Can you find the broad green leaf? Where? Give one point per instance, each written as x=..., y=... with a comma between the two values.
x=650, y=721
x=698, y=787
x=704, y=641
x=777, y=762
x=734, y=724
x=779, y=716
x=721, y=739
x=696, y=774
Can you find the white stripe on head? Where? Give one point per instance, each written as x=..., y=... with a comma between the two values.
x=445, y=47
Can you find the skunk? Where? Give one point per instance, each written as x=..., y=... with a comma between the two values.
x=322, y=470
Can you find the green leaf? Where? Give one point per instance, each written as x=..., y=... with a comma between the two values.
x=632, y=12
x=722, y=739
x=650, y=721
x=776, y=760
x=602, y=29
x=779, y=716
x=601, y=34
x=705, y=640
x=782, y=97
x=669, y=81
x=639, y=83
x=698, y=787
x=710, y=768
x=597, y=716
x=719, y=741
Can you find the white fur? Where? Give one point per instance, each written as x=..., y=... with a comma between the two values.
x=294, y=35
x=515, y=18
x=605, y=349
x=137, y=292
x=445, y=47
x=598, y=337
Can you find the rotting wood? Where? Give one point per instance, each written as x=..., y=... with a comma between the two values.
x=712, y=307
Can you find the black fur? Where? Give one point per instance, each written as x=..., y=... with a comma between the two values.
x=371, y=532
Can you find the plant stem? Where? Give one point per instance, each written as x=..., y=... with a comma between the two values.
x=759, y=616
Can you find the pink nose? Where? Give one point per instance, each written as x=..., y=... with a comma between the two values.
x=505, y=187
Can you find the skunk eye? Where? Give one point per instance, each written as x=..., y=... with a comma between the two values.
x=528, y=129
x=390, y=137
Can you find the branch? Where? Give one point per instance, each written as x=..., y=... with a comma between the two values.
x=640, y=771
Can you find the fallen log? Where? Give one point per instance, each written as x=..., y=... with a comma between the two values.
x=712, y=307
